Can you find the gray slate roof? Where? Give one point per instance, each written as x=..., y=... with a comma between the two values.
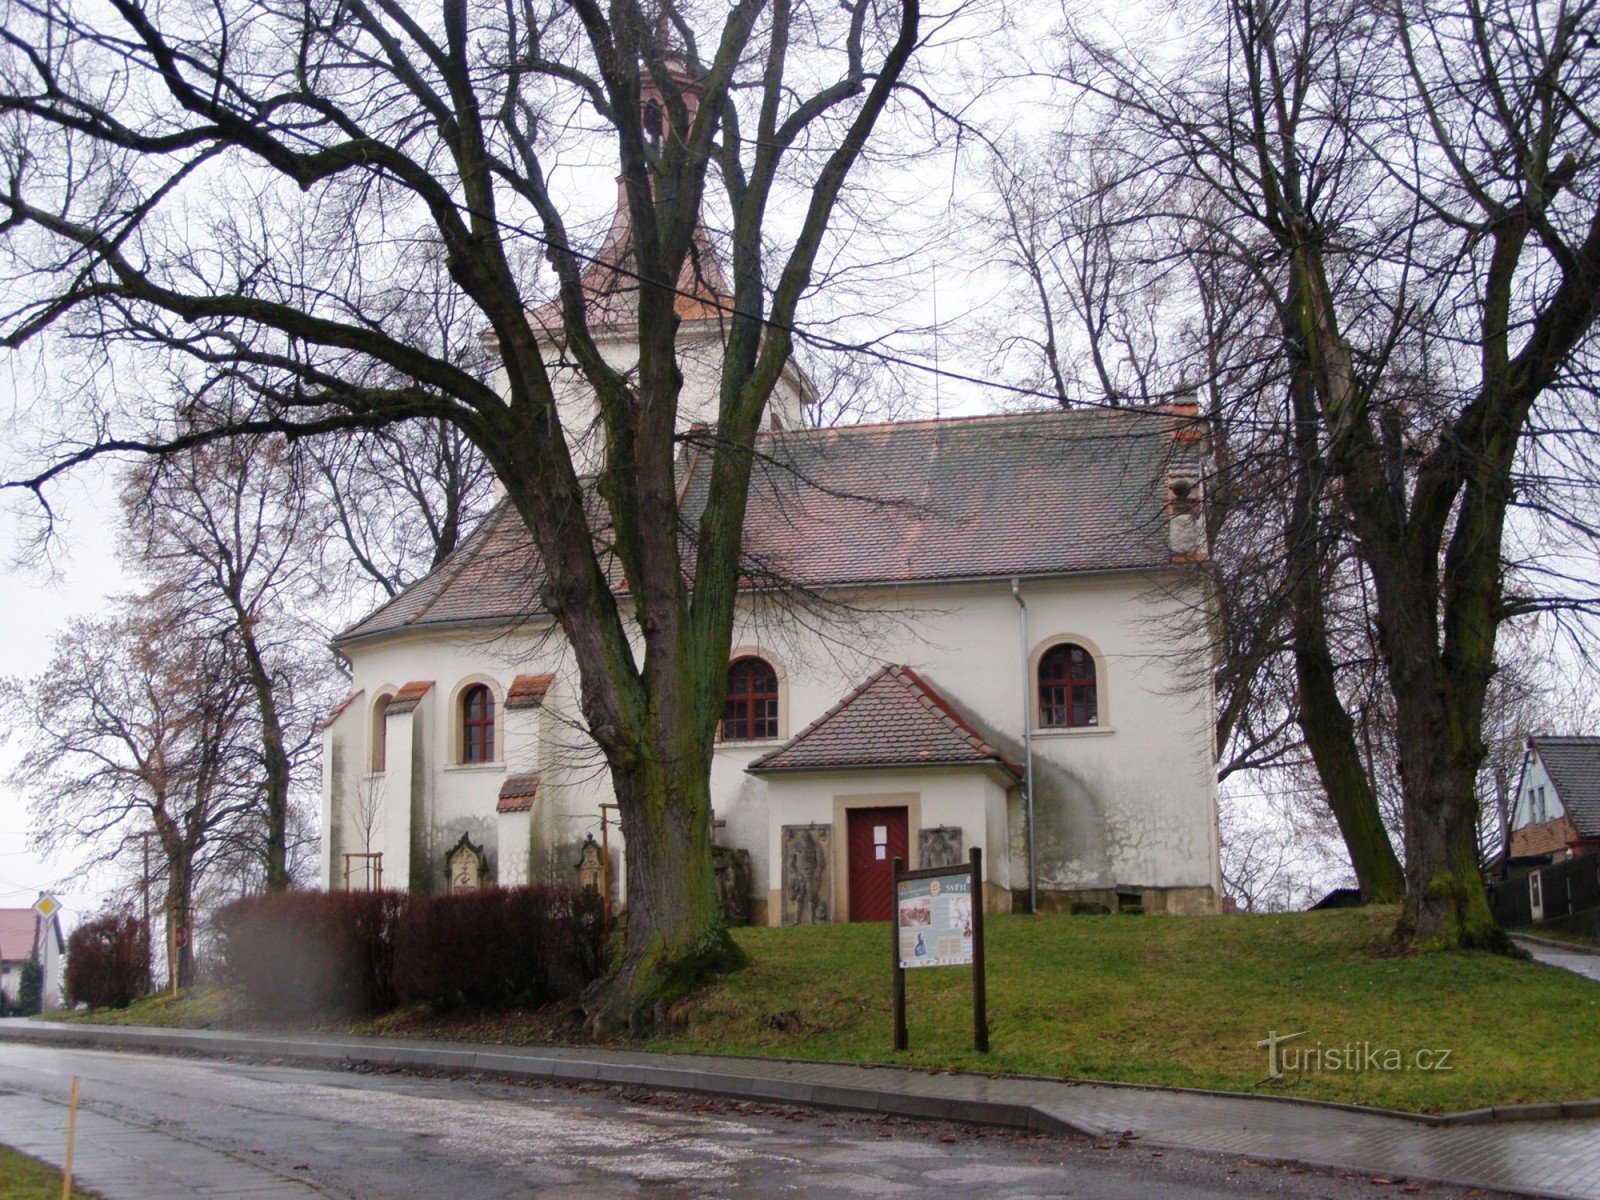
x=1573, y=764
x=894, y=719
x=1045, y=493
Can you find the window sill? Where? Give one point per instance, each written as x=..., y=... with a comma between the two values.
x=471, y=767
x=1080, y=731
x=742, y=744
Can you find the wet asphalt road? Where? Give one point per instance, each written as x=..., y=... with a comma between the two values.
x=156, y=1127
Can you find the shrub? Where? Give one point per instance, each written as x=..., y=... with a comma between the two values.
x=298, y=954
x=588, y=947
x=106, y=962
x=494, y=948
x=301, y=954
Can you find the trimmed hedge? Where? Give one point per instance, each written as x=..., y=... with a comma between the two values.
x=301, y=954
x=106, y=962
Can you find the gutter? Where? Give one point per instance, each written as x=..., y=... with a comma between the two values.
x=1027, y=742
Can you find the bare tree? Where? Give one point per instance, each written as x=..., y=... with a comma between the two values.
x=137, y=724
x=329, y=143
x=223, y=525
x=1424, y=178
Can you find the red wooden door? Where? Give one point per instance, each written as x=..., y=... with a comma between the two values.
x=877, y=836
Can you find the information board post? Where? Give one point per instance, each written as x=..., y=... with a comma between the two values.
x=938, y=922
x=901, y=1041
x=980, y=999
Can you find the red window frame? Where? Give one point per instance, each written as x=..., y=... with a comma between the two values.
x=477, y=724
x=750, y=704
x=1068, y=689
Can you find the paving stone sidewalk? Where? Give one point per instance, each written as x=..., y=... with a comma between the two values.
x=135, y=1162
x=1553, y=1157
x=1577, y=959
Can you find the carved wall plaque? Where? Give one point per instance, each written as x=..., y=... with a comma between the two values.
x=940, y=846
x=466, y=865
x=807, y=874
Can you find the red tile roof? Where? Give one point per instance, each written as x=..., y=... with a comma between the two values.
x=1031, y=494
x=338, y=709
x=518, y=793
x=17, y=926
x=408, y=697
x=528, y=691
x=894, y=719
x=611, y=292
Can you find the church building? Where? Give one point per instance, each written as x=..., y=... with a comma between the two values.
x=937, y=614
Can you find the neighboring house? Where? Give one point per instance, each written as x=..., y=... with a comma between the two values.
x=21, y=932
x=924, y=599
x=1557, y=808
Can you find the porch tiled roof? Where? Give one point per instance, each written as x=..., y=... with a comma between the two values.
x=1573, y=764
x=1031, y=494
x=894, y=719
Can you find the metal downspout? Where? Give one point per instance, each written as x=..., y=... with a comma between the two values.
x=1027, y=744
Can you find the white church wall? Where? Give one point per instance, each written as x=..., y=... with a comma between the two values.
x=1129, y=802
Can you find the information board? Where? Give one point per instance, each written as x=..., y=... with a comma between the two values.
x=934, y=914
x=938, y=922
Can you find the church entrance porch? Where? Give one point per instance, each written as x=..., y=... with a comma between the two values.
x=876, y=837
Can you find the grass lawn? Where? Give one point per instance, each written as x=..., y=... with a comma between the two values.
x=1179, y=1001
x=24, y=1178
x=1173, y=1000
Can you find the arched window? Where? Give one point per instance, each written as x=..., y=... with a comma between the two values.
x=477, y=724
x=750, y=709
x=380, y=732
x=1067, y=694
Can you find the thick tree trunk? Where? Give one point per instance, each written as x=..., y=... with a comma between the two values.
x=1330, y=737
x=676, y=938
x=1329, y=733
x=1445, y=905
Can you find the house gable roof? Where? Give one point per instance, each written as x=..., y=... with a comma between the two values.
x=894, y=719
x=1573, y=764
x=18, y=929
x=1030, y=494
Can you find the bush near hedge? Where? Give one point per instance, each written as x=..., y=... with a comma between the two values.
x=106, y=962
x=300, y=954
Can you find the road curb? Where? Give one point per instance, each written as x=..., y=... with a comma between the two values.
x=526, y=1063
x=1552, y=944
x=597, y=1065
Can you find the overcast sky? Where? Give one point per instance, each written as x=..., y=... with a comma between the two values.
x=38, y=596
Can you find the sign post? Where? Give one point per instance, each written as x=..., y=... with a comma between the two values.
x=938, y=922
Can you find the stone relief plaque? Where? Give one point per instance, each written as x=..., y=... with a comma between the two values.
x=466, y=865
x=807, y=874
x=591, y=866
x=939, y=846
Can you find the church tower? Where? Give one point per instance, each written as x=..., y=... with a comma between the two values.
x=704, y=305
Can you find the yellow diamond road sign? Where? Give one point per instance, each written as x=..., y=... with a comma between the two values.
x=47, y=906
